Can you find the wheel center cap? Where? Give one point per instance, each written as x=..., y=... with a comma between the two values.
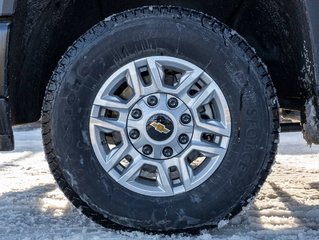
x=156, y=126
x=160, y=127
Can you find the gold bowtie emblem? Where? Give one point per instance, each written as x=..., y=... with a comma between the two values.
x=160, y=127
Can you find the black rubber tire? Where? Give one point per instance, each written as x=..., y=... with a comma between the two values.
x=176, y=32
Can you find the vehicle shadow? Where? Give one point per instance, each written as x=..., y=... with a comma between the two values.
x=37, y=209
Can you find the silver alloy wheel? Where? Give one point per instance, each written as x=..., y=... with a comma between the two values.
x=160, y=126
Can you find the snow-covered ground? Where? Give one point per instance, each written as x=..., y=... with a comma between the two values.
x=31, y=206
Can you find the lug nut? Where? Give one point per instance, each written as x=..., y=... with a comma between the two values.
x=167, y=151
x=136, y=113
x=186, y=118
x=134, y=134
x=147, y=150
x=183, y=139
x=172, y=102
x=152, y=101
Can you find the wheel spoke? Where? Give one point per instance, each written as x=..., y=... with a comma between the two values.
x=111, y=102
x=184, y=169
x=134, y=81
x=156, y=73
x=185, y=172
x=207, y=149
x=114, y=157
x=132, y=172
x=107, y=124
x=203, y=97
x=212, y=126
x=163, y=179
x=188, y=80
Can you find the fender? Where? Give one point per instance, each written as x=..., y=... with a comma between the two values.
x=311, y=125
x=6, y=134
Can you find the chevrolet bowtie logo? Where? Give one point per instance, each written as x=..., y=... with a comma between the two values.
x=160, y=127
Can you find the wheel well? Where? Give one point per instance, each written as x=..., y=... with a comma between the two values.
x=42, y=31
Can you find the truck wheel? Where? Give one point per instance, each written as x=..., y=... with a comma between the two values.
x=160, y=119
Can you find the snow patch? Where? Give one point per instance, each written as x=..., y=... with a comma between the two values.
x=222, y=223
x=32, y=207
x=109, y=18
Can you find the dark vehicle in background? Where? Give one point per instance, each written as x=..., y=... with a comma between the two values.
x=160, y=115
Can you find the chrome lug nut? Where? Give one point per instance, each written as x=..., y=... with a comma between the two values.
x=147, y=150
x=186, y=118
x=172, y=102
x=152, y=101
x=136, y=113
x=183, y=139
x=134, y=134
x=167, y=151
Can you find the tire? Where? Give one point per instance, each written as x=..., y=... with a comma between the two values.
x=160, y=31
